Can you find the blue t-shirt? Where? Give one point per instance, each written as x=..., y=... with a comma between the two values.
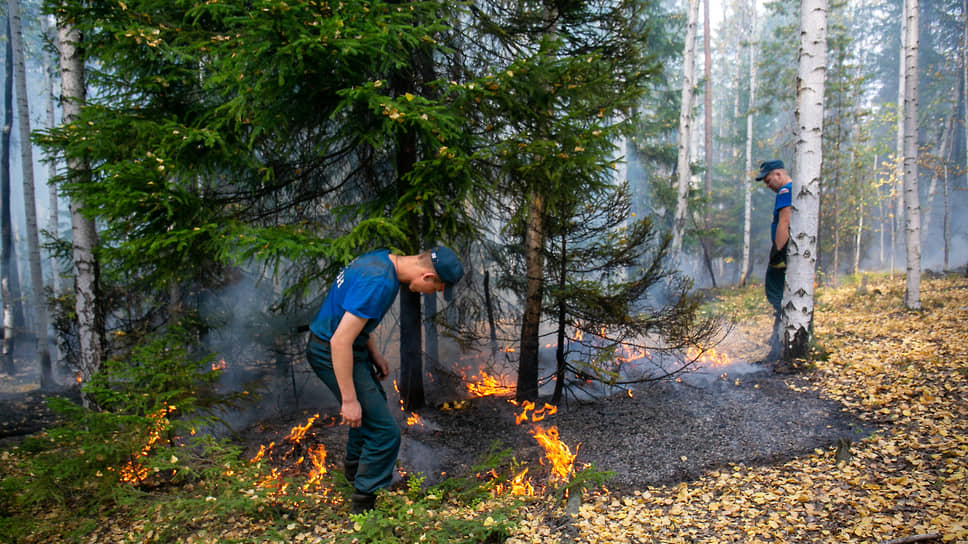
x=784, y=198
x=365, y=288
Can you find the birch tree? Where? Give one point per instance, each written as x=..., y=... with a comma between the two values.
x=52, y=208
x=708, y=140
x=9, y=286
x=797, y=305
x=912, y=207
x=899, y=139
x=30, y=200
x=90, y=319
x=683, y=171
x=748, y=174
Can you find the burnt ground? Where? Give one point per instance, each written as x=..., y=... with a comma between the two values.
x=664, y=432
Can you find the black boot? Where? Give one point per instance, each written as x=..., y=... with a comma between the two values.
x=362, y=502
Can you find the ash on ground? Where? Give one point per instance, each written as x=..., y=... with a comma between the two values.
x=663, y=433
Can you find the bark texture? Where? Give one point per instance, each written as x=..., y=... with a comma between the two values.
x=527, y=386
x=749, y=175
x=683, y=171
x=90, y=317
x=912, y=206
x=798, y=292
x=37, y=298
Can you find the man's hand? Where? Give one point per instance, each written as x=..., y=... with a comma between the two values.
x=382, y=366
x=352, y=413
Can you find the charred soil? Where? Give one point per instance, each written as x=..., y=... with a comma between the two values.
x=661, y=432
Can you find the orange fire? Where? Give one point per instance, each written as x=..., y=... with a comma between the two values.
x=78, y=378
x=557, y=452
x=317, y=456
x=536, y=415
x=414, y=419
x=519, y=485
x=299, y=431
x=133, y=471
x=489, y=385
x=218, y=365
x=708, y=358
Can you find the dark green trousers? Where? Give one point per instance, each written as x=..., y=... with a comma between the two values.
x=376, y=442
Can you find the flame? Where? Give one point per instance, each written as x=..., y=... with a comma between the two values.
x=78, y=378
x=299, y=431
x=218, y=365
x=488, y=385
x=557, y=452
x=519, y=485
x=317, y=456
x=414, y=419
x=133, y=471
x=708, y=358
x=536, y=415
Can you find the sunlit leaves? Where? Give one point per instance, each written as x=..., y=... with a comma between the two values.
x=891, y=366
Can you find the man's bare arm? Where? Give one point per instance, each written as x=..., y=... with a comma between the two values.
x=783, y=228
x=341, y=344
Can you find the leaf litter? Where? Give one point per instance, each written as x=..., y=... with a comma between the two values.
x=906, y=372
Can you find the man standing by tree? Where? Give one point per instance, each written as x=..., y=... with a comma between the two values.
x=344, y=355
x=774, y=175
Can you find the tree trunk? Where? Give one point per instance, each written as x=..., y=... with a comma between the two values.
x=708, y=142
x=748, y=176
x=53, y=213
x=899, y=140
x=947, y=221
x=489, y=304
x=912, y=206
x=562, y=364
x=90, y=316
x=858, y=238
x=527, y=386
x=431, y=346
x=935, y=174
x=38, y=300
x=683, y=171
x=797, y=306
x=411, y=325
x=9, y=278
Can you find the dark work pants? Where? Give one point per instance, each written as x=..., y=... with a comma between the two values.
x=376, y=442
x=775, y=277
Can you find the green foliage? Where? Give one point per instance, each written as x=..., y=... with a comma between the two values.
x=458, y=510
x=150, y=403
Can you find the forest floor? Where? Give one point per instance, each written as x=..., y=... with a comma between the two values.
x=867, y=443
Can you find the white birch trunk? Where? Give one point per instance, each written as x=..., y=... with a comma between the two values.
x=749, y=176
x=798, y=291
x=52, y=209
x=912, y=207
x=89, y=319
x=899, y=141
x=30, y=201
x=859, y=238
x=683, y=172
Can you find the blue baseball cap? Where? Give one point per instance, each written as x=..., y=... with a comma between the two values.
x=448, y=268
x=768, y=166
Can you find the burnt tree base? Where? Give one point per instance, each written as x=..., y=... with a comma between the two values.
x=797, y=346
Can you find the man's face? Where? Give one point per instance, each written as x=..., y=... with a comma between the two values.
x=427, y=283
x=775, y=179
